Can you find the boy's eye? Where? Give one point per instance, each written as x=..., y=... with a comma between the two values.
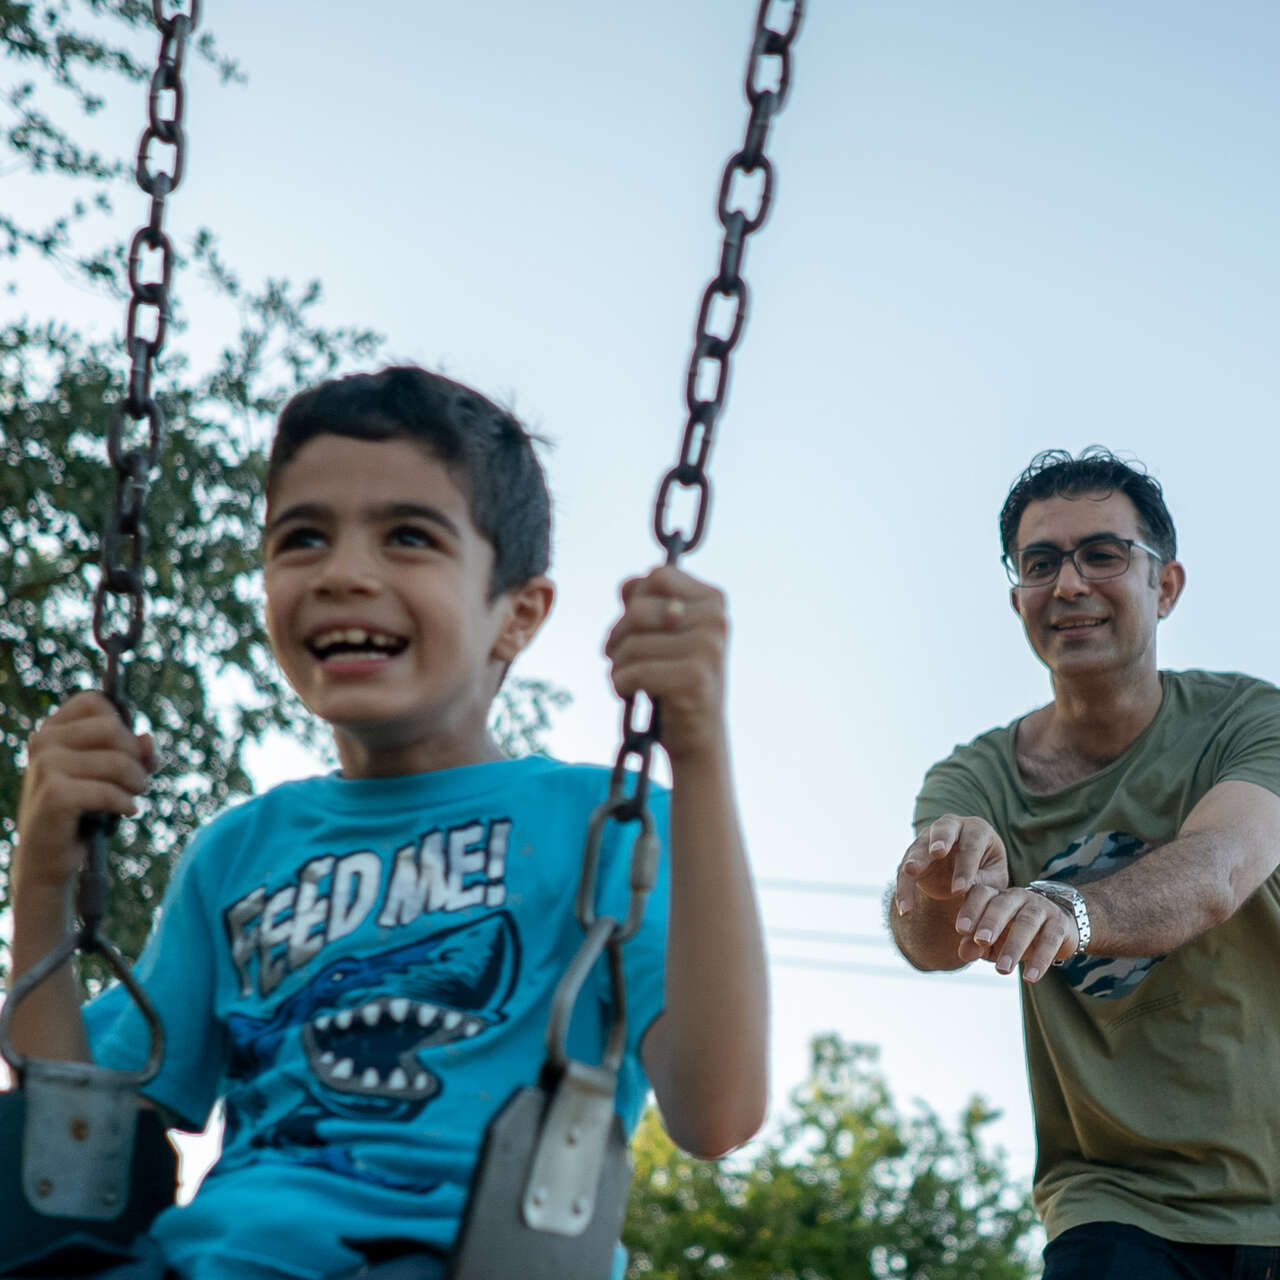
x=301, y=536
x=412, y=535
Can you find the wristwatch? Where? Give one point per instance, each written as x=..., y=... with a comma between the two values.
x=1071, y=900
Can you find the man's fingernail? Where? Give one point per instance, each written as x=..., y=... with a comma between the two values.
x=1004, y=964
x=963, y=924
x=983, y=935
x=936, y=846
x=903, y=907
x=1032, y=973
x=959, y=886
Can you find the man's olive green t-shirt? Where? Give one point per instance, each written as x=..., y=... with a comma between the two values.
x=1155, y=1082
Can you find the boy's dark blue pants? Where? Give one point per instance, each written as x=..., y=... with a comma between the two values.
x=1114, y=1251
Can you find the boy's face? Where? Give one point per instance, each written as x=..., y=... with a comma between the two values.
x=378, y=607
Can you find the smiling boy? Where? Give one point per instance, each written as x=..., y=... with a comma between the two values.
x=360, y=965
x=1121, y=844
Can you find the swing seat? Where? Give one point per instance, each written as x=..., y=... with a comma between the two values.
x=34, y=1243
x=498, y=1238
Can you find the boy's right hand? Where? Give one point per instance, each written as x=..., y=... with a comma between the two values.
x=82, y=759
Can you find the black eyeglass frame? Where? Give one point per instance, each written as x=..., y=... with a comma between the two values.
x=1011, y=568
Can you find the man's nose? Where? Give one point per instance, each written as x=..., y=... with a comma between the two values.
x=1071, y=583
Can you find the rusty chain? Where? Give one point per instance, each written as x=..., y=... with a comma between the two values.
x=124, y=539
x=712, y=352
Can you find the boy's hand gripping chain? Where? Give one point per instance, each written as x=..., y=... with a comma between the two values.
x=78, y=1129
x=549, y=1194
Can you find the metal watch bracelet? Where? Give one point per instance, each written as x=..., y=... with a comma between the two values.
x=1071, y=900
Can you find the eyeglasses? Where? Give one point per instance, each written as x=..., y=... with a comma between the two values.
x=1095, y=560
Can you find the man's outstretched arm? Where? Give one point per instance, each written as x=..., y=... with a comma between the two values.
x=1227, y=847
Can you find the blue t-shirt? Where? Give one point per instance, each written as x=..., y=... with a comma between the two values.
x=363, y=971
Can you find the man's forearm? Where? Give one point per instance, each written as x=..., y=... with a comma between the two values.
x=1229, y=844
x=1165, y=899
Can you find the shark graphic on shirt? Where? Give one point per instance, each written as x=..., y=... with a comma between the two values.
x=364, y=1021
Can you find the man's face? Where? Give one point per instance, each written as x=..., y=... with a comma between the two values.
x=1080, y=627
x=377, y=586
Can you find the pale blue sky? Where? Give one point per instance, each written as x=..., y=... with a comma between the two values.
x=999, y=227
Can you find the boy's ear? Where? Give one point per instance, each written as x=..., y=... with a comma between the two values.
x=527, y=607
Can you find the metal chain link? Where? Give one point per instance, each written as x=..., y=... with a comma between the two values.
x=121, y=587
x=119, y=601
x=120, y=590
x=711, y=350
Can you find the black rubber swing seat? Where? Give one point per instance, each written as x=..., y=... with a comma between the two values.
x=34, y=1243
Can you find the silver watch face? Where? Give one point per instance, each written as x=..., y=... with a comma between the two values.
x=1061, y=893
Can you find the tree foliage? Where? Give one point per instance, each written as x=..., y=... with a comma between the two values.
x=846, y=1188
x=61, y=60
x=203, y=676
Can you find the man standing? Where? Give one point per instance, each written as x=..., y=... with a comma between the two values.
x=1121, y=844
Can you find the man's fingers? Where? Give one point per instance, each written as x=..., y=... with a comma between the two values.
x=931, y=846
x=973, y=840
x=943, y=834
x=916, y=858
x=971, y=909
x=1018, y=927
x=996, y=918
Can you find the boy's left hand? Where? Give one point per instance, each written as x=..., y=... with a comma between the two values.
x=670, y=645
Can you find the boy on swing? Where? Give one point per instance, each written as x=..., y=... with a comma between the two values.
x=361, y=965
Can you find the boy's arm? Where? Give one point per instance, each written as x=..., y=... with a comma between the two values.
x=707, y=1053
x=82, y=760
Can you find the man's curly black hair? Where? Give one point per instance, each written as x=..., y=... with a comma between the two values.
x=1054, y=473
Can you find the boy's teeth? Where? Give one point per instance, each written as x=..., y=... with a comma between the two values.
x=355, y=638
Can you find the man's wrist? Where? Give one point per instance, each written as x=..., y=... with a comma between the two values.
x=1071, y=900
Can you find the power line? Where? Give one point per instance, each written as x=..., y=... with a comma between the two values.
x=824, y=886
x=824, y=935
x=883, y=971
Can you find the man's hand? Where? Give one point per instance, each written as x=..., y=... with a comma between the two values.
x=953, y=868
x=1017, y=926
x=670, y=644
x=954, y=855
x=82, y=759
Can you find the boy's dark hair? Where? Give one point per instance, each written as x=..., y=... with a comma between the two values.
x=486, y=450
x=1056, y=474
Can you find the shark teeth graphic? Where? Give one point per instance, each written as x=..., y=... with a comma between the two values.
x=370, y=1050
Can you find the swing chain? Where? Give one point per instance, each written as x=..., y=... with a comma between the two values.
x=709, y=363
x=124, y=550
x=124, y=539
x=710, y=350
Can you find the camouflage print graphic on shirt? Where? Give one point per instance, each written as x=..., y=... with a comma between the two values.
x=1088, y=859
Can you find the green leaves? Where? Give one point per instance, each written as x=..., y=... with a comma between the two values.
x=203, y=679
x=846, y=1188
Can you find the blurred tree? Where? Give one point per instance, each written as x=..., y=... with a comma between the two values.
x=846, y=1188
x=203, y=677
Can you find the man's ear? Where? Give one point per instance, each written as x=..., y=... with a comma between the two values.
x=1013, y=601
x=526, y=609
x=1173, y=577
